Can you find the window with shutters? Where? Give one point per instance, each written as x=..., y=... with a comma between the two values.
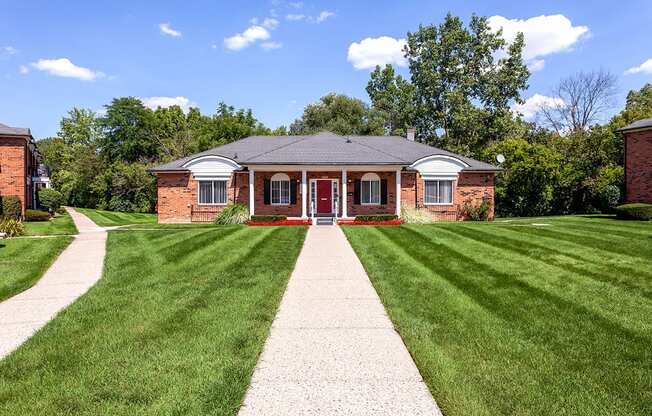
x=438, y=192
x=280, y=189
x=370, y=189
x=212, y=192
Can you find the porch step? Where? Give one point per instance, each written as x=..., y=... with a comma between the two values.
x=324, y=221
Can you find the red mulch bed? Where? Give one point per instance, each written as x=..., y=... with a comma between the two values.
x=283, y=222
x=354, y=222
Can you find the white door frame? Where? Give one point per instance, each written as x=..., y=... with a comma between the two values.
x=336, y=181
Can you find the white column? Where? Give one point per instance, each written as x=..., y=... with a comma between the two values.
x=304, y=194
x=398, y=192
x=251, y=192
x=344, y=199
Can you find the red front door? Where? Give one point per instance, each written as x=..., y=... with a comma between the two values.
x=324, y=197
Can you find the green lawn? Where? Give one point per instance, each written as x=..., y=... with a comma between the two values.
x=519, y=319
x=175, y=326
x=111, y=218
x=61, y=224
x=24, y=260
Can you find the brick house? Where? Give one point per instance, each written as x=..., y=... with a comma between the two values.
x=21, y=173
x=323, y=175
x=638, y=161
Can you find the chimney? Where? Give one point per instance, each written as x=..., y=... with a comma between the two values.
x=410, y=134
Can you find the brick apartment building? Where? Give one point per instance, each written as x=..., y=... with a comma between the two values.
x=638, y=161
x=21, y=173
x=323, y=175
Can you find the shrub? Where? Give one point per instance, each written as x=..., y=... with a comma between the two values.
x=479, y=213
x=13, y=227
x=415, y=216
x=35, y=215
x=50, y=198
x=11, y=206
x=640, y=212
x=609, y=196
x=376, y=217
x=268, y=218
x=233, y=214
x=62, y=211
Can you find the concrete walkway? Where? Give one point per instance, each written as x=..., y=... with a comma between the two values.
x=332, y=349
x=70, y=276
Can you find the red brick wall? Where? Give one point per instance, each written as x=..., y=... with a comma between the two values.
x=389, y=208
x=177, y=195
x=13, y=169
x=638, y=167
x=469, y=188
x=292, y=210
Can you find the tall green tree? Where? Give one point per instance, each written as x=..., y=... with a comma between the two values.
x=339, y=114
x=127, y=129
x=464, y=80
x=393, y=97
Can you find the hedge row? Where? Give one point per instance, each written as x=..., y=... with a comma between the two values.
x=377, y=217
x=641, y=212
x=268, y=218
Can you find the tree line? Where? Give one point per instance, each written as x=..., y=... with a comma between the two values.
x=463, y=82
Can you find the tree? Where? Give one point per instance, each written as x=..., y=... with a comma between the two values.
x=464, y=80
x=526, y=187
x=393, y=97
x=579, y=101
x=637, y=107
x=339, y=114
x=127, y=129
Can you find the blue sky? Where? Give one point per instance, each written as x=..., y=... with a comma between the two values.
x=276, y=56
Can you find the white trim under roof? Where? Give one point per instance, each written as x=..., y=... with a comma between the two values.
x=211, y=167
x=439, y=167
x=324, y=168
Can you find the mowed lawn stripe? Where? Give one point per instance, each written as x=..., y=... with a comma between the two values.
x=535, y=345
x=23, y=261
x=595, y=263
x=175, y=326
x=113, y=218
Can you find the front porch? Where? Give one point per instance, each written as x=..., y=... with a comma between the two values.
x=324, y=191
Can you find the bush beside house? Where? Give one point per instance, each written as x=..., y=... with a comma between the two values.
x=639, y=211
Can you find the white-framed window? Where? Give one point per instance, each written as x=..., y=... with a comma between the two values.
x=438, y=192
x=212, y=192
x=280, y=189
x=370, y=189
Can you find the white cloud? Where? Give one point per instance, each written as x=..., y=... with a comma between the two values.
x=268, y=46
x=370, y=52
x=166, y=29
x=242, y=40
x=536, y=65
x=296, y=4
x=324, y=15
x=544, y=35
x=645, y=68
x=62, y=67
x=534, y=104
x=9, y=50
x=23, y=69
x=295, y=17
x=270, y=23
x=165, y=102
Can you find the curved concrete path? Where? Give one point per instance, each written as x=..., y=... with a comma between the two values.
x=332, y=350
x=76, y=269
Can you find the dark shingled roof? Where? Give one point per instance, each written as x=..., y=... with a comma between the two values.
x=13, y=131
x=646, y=123
x=325, y=149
